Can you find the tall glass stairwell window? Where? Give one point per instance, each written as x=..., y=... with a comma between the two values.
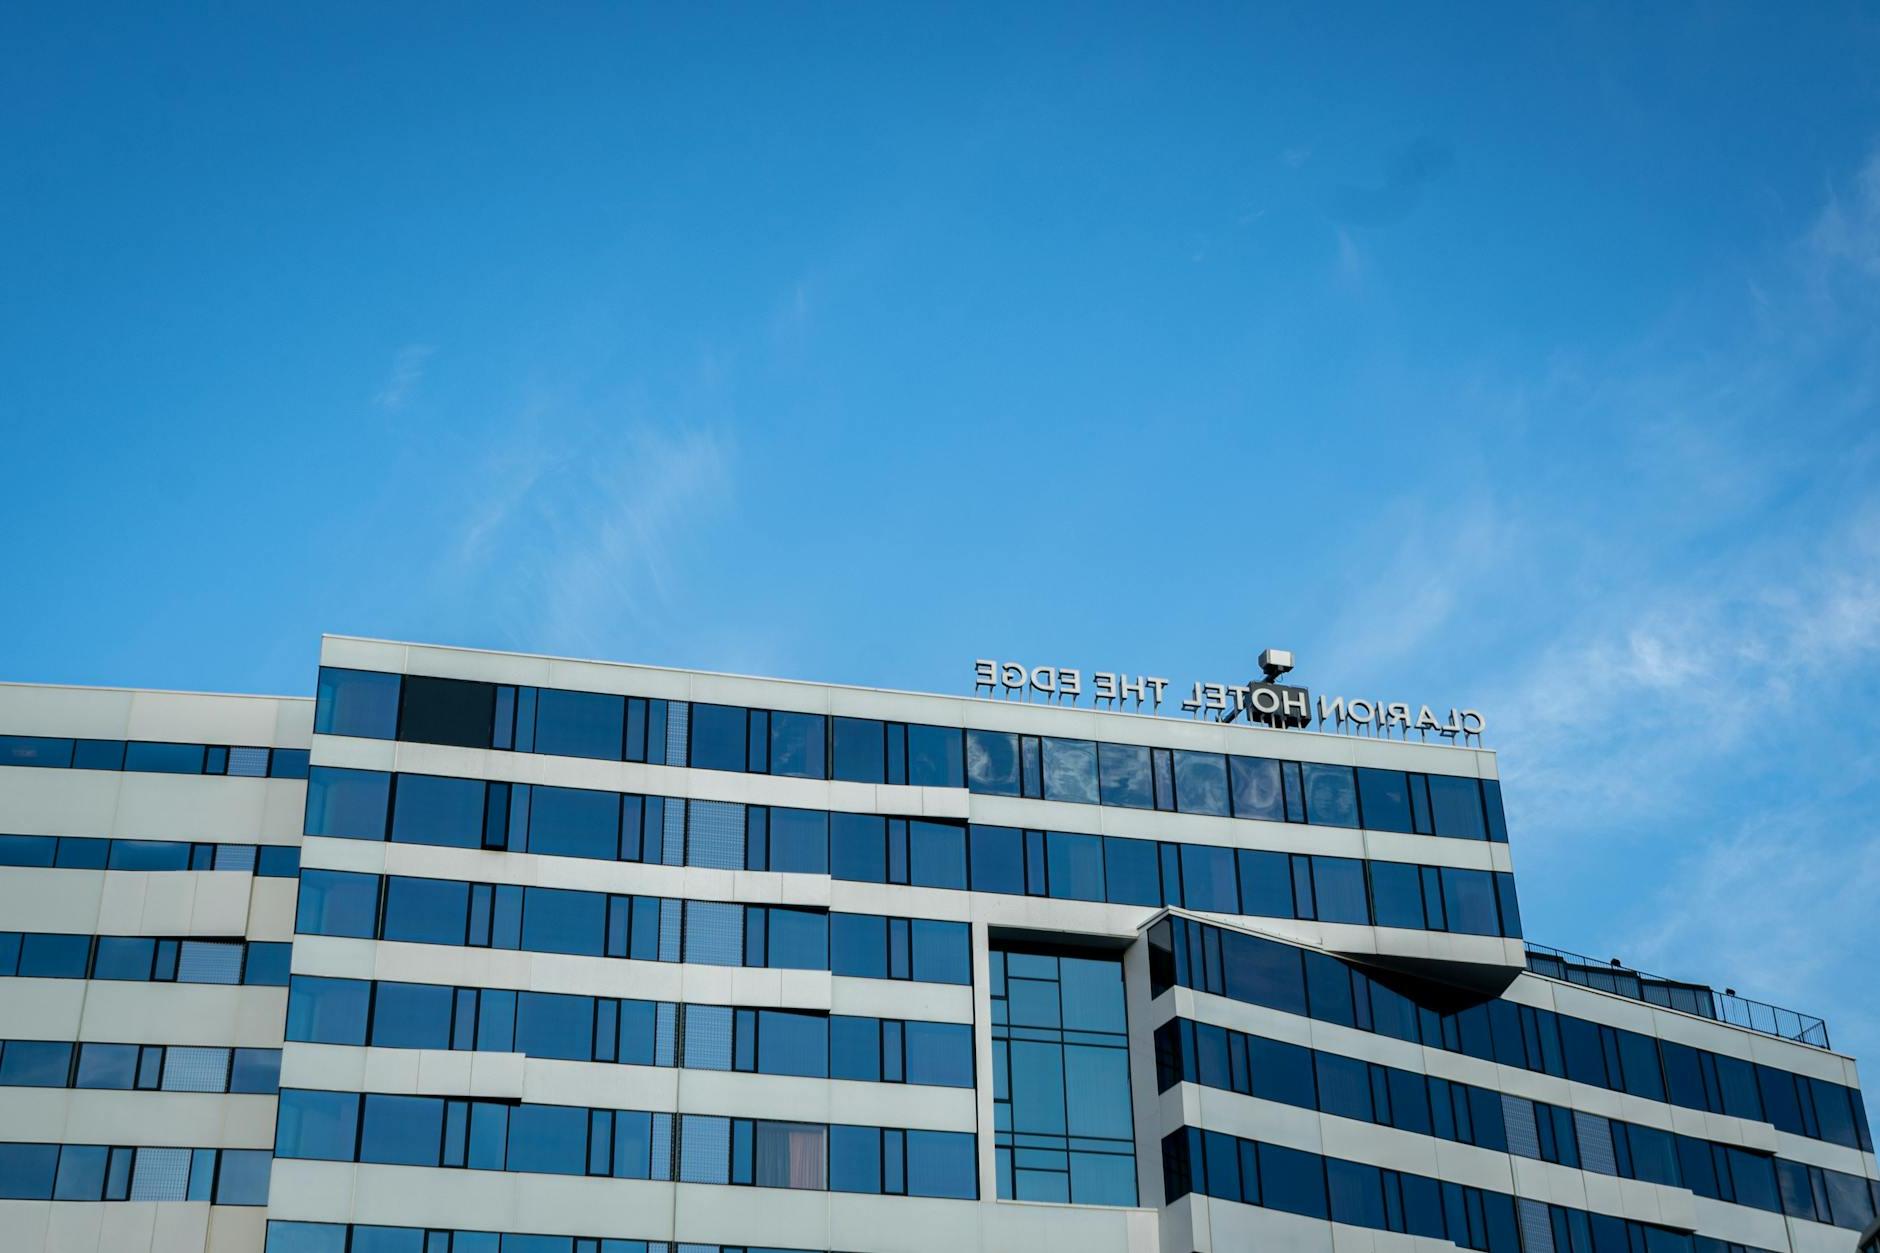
x=1058, y=1029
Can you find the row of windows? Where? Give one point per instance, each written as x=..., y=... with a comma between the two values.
x=630, y=1032
x=644, y=928
x=1281, y=976
x=153, y=757
x=290, y=1237
x=97, y=1172
x=137, y=1067
x=1425, y=1105
x=579, y=822
x=83, y=852
x=1298, y=1182
x=624, y=1144
x=866, y=750
x=138, y=959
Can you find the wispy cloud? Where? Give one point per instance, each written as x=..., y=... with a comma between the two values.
x=407, y=372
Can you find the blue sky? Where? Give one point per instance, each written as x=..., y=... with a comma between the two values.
x=1525, y=358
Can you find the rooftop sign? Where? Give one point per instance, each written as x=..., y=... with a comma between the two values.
x=1266, y=704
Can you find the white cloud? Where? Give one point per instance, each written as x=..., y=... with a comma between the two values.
x=407, y=372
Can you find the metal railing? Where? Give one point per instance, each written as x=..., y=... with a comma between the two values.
x=1692, y=998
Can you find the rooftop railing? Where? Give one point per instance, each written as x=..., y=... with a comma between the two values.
x=1692, y=998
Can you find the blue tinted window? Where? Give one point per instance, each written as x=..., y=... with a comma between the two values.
x=35, y=1064
x=1292, y=1181
x=26, y=1171
x=858, y=945
x=854, y=1048
x=424, y=911
x=998, y=857
x=1385, y=796
x=46, y=956
x=1344, y=1086
x=1075, y=866
x=411, y=1016
x=796, y=745
x=579, y=724
x=1200, y=782
x=107, y=1066
x=319, y=1125
x=799, y=841
x=718, y=737
x=1638, y=1058
x=149, y=855
x=559, y=921
x=447, y=711
x=428, y=809
x=1125, y=774
x=286, y=1237
x=1338, y=889
x=1280, y=1072
x=83, y=854
x=1510, y=907
x=1266, y=886
x=402, y=1130
x=1469, y=900
x=356, y=702
x=1456, y=807
x=992, y=762
x=1331, y=796
x=1131, y=876
x=1208, y=879
x=277, y=861
x=941, y=1163
x=1398, y=893
x=942, y=953
x=799, y=939
x=328, y=1011
x=351, y=804
x=35, y=750
x=1070, y=771
x=573, y=822
x=255, y=1070
x=1261, y=972
x=163, y=758
x=1357, y=1192
x=939, y=1053
x=550, y=1024
x=792, y=1044
x=936, y=855
x=860, y=750
x=123, y=957
x=266, y=962
x=935, y=756
x=1256, y=790
x=288, y=763
x=548, y=1139
x=81, y=1173
x=854, y=1159
x=858, y=847
x=28, y=850
x=1497, y=818
x=98, y=754
x=337, y=902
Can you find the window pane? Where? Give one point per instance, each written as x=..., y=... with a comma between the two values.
x=939, y=1053
x=1200, y=782
x=447, y=711
x=992, y=762
x=799, y=841
x=718, y=737
x=242, y=1177
x=854, y=1159
x=858, y=847
x=1292, y=1180
x=402, y=1130
x=548, y=1139
x=1125, y=774
x=854, y=1048
x=789, y=1155
x=35, y=750
x=163, y=758
x=149, y=855
x=255, y=1070
x=792, y=1044
x=1208, y=879
x=553, y=1025
x=1266, y=886
x=579, y=724
x=337, y=902
x=1331, y=796
x=1338, y=884
x=796, y=745
x=1075, y=865
x=1469, y=900
x=107, y=1066
x=428, y=809
x=799, y=939
x=942, y=953
x=48, y=956
x=860, y=750
x=26, y=1171
x=1131, y=874
x=411, y=1016
x=572, y=822
x=327, y=1011
x=1456, y=807
x=1262, y=972
x=35, y=1064
x=940, y=1163
x=1070, y=771
x=350, y=804
x=1399, y=894
x=29, y=850
x=998, y=856
x=81, y=1173
x=319, y=1125
x=1256, y=788
x=555, y=920
x=935, y=756
x=858, y=945
x=1385, y=795
x=424, y=911
x=936, y=855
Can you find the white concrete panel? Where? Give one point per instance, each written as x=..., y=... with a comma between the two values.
x=36, y=801
x=70, y=1227
x=237, y=1229
x=180, y=1013
x=51, y=900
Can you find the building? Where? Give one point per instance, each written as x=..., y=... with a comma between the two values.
x=592, y=958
